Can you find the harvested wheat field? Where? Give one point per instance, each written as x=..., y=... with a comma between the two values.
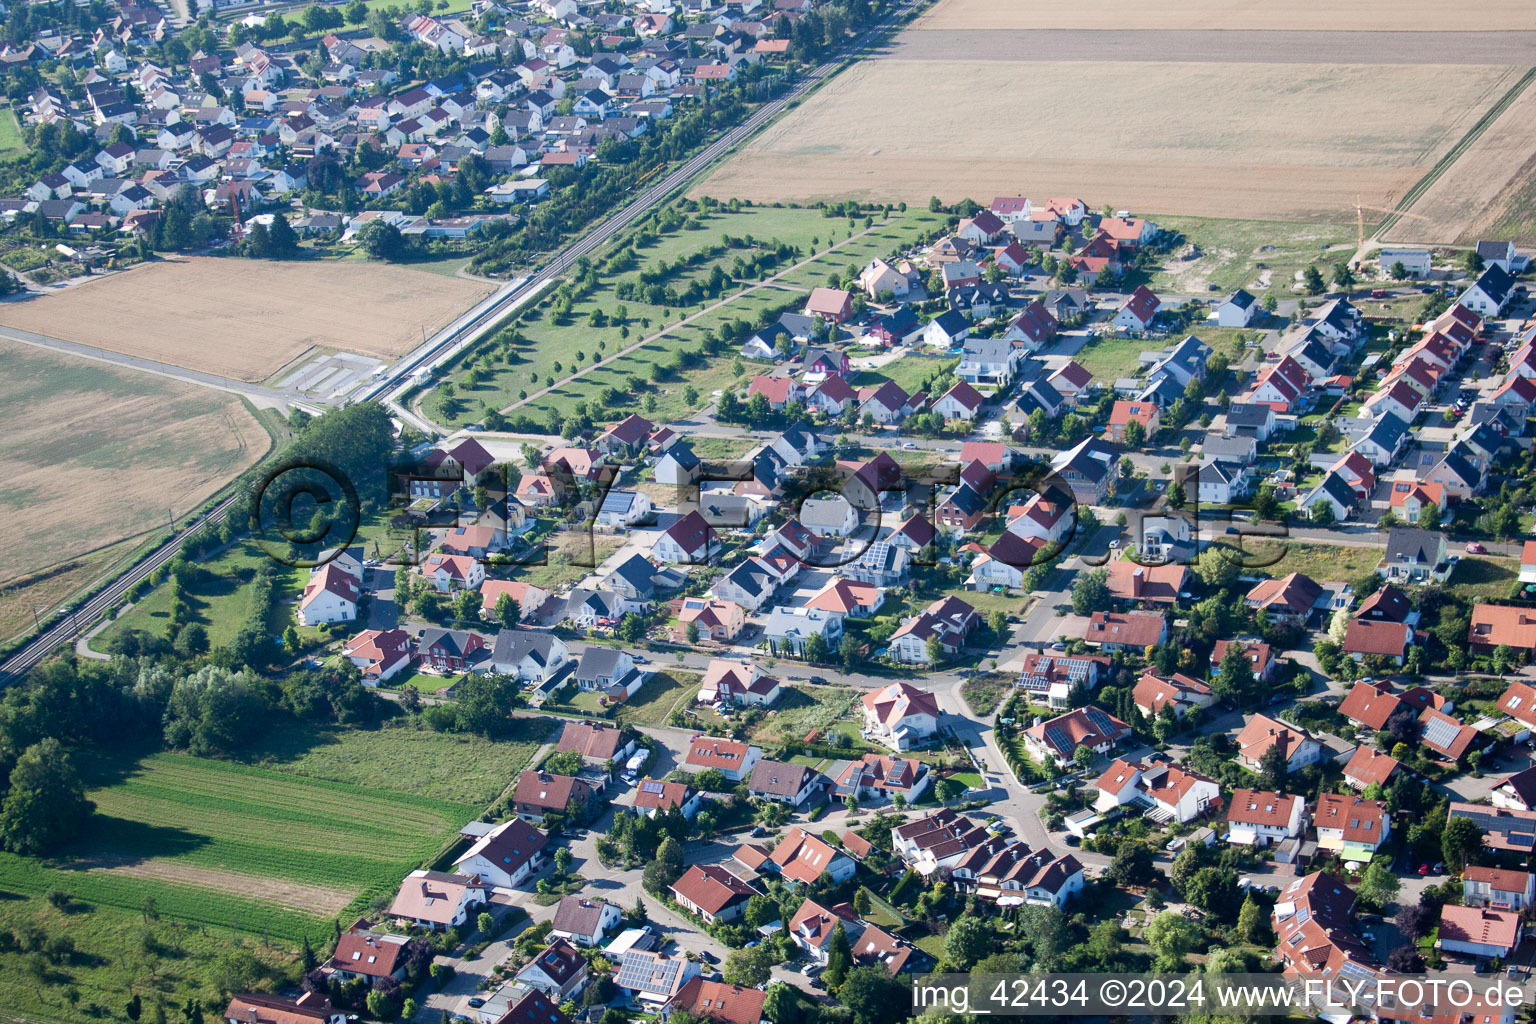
x=91, y=454
x=247, y=319
x=1324, y=15
x=1487, y=191
x=1281, y=141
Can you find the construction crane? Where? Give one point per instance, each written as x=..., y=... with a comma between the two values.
x=1360, y=220
x=238, y=231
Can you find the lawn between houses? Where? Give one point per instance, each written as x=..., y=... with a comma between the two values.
x=528, y=367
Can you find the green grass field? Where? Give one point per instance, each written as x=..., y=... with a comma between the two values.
x=417, y=762
x=11, y=141
x=218, y=598
x=1109, y=358
x=575, y=343
x=662, y=692
x=908, y=372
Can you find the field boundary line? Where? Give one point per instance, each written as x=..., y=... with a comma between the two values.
x=1435, y=173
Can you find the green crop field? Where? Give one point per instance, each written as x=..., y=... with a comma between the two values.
x=461, y=769
x=239, y=847
x=554, y=351
x=11, y=141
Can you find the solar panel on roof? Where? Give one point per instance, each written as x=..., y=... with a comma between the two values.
x=1057, y=738
x=1441, y=732
x=652, y=787
x=1100, y=721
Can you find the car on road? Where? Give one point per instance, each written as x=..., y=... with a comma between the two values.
x=810, y=969
x=908, y=445
x=475, y=1002
x=1378, y=293
x=819, y=680
x=1475, y=548
x=638, y=659
x=708, y=957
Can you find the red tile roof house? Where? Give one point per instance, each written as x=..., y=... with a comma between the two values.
x=1258, y=818
x=734, y=760
x=330, y=595
x=1127, y=631
x=802, y=857
x=1139, y=311
x=506, y=856
x=778, y=391
x=453, y=572
x=1356, y=827
x=264, y=1008
x=654, y=797
x=1125, y=412
x=712, y=893
x=1260, y=656
x=813, y=925
x=1059, y=738
x=584, y=921
x=380, y=654
x=1146, y=584
x=1479, y=931
x=833, y=304
x=628, y=435
x=1499, y=888
x=961, y=402
x=559, y=971
x=1369, y=639
x=880, y=776
x=437, y=901
x=1262, y=732
x=899, y=715
x=1500, y=625
x=689, y=541
x=1289, y=600
x=540, y=793
x=368, y=955
x=1369, y=767
x=716, y=1001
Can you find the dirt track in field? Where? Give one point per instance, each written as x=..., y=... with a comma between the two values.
x=319, y=900
x=246, y=319
x=1485, y=193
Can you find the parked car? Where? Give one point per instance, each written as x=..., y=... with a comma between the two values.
x=1378, y=293
x=1475, y=548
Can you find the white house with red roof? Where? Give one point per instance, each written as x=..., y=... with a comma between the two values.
x=777, y=391
x=832, y=304
x=1258, y=818
x=733, y=759
x=331, y=595
x=1139, y=311
x=1033, y=327
x=738, y=683
x=1262, y=732
x=453, y=572
x=1170, y=792
x=961, y=402
x=900, y=716
x=690, y=541
x=379, y=654
x=1369, y=767
x=506, y=856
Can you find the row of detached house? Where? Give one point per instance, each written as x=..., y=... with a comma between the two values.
x=256, y=151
